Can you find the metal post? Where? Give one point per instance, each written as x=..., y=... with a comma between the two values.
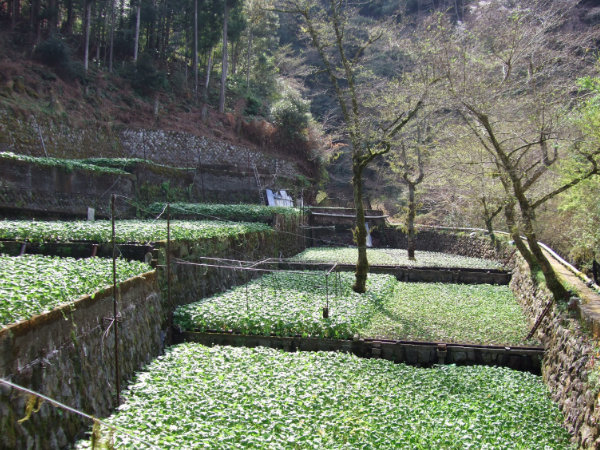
x=327, y=289
x=115, y=323
x=168, y=263
x=326, y=308
x=247, y=303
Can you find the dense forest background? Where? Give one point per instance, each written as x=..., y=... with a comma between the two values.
x=502, y=96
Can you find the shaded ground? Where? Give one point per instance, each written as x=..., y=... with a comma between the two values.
x=474, y=314
x=590, y=299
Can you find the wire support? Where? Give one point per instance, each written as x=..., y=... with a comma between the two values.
x=243, y=268
x=72, y=410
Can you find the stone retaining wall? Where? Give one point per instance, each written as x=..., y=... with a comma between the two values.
x=571, y=365
x=68, y=354
x=22, y=135
x=422, y=354
x=57, y=191
x=190, y=282
x=472, y=244
x=464, y=244
x=30, y=189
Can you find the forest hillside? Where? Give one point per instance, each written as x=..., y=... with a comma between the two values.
x=455, y=113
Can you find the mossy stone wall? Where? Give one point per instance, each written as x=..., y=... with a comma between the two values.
x=571, y=367
x=193, y=279
x=68, y=355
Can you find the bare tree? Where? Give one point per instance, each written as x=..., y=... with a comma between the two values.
x=411, y=179
x=369, y=134
x=407, y=160
x=510, y=70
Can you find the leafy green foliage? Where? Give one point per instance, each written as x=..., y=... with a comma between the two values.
x=54, y=52
x=579, y=206
x=67, y=164
x=479, y=314
x=126, y=230
x=289, y=304
x=127, y=163
x=291, y=114
x=145, y=78
x=236, y=213
x=33, y=284
x=224, y=397
x=396, y=257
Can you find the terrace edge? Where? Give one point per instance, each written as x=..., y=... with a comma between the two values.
x=68, y=354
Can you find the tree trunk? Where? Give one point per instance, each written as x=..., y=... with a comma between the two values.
x=150, y=43
x=67, y=26
x=195, y=58
x=166, y=36
x=136, y=44
x=488, y=218
x=248, y=59
x=552, y=282
x=509, y=213
x=52, y=16
x=490, y=229
x=86, y=46
x=410, y=222
x=111, y=36
x=224, y=64
x=34, y=21
x=207, y=78
x=14, y=13
x=121, y=14
x=360, y=233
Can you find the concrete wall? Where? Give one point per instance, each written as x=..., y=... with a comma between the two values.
x=422, y=354
x=68, y=354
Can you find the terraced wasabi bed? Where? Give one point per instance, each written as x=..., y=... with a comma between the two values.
x=225, y=397
x=134, y=231
x=236, y=213
x=33, y=284
x=476, y=314
x=394, y=257
x=290, y=304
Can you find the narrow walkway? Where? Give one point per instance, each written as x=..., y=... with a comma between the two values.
x=590, y=299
